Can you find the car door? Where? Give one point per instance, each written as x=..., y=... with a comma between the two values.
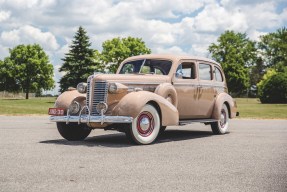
x=186, y=85
x=206, y=91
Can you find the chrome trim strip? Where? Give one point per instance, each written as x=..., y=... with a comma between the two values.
x=196, y=85
x=186, y=84
x=92, y=119
x=140, y=83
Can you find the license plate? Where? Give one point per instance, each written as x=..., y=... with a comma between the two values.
x=56, y=111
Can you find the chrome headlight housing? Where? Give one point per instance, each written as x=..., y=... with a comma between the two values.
x=74, y=108
x=113, y=88
x=82, y=87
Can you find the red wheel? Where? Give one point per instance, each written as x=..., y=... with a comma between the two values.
x=145, y=127
x=145, y=124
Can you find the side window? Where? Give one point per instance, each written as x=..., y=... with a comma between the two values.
x=127, y=68
x=205, y=72
x=218, y=75
x=187, y=70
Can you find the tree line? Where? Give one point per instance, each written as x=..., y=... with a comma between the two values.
x=81, y=61
x=252, y=68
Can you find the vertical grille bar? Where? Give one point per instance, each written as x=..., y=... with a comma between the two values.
x=100, y=95
x=95, y=94
x=88, y=95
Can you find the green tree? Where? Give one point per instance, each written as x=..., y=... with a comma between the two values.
x=79, y=62
x=274, y=49
x=237, y=54
x=256, y=73
x=118, y=49
x=273, y=89
x=27, y=68
x=271, y=72
x=7, y=80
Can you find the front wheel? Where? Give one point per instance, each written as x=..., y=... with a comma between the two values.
x=73, y=131
x=145, y=127
x=221, y=126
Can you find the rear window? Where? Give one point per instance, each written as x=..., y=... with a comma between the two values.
x=218, y=75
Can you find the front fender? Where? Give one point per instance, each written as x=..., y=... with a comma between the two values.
x=132, y=104
x=220, y=100
x=66, y=98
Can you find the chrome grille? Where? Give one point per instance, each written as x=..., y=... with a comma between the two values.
x=88, y=96
x=98, y=93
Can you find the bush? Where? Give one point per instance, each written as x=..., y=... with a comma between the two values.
x=274, y=89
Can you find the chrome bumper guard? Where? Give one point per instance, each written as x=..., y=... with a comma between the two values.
x=91, y=119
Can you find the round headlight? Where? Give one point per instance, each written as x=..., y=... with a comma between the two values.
x=102, y=107
x=75, y=107
x=82, y=87
x=113, y=88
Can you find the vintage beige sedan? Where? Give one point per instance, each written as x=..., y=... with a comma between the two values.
x=147, y=93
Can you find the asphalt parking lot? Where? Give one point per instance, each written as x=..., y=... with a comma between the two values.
x=252, y=157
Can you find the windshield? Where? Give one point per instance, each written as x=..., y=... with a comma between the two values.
x=146, y=66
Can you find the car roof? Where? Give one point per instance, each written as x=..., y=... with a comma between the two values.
x=173, y=57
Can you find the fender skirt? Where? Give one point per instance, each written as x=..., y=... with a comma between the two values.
x=132, y=104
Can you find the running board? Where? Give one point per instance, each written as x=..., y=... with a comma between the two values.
x=185, y=122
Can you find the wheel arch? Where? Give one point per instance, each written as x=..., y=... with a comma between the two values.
x=132, y=104
x=228, y=108
x=66, y=98
x=157, y=107
x=224, y=98
x=167, y=90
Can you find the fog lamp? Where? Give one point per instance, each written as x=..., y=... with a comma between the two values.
x=82, y=87
x=74, y=108
x=102, y=108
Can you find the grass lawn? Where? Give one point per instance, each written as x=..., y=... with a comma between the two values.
x=252, y=108
x=32, y=106
x=248, y=108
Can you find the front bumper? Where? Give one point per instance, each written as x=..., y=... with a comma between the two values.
x=91, y=119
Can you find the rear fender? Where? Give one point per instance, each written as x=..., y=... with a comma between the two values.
x=132, y=104
x=220, y=100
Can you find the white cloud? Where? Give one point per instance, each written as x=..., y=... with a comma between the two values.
x=4, y=15
x=216, y=18
x=27, y=4
x=28, y=34
x=178, y=26
x=171, y=50
x=283, y=16
x=255, y=35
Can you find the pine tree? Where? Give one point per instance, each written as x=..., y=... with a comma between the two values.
x=79, y=62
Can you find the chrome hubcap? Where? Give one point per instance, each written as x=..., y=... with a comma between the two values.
x=222, y=118
x=145, y=124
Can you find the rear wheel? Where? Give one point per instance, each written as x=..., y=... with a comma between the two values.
x=221, y=126
x=73, y=131
x=145, y=127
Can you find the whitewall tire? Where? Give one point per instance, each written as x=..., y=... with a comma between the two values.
x=221, y=126
x=145, y=127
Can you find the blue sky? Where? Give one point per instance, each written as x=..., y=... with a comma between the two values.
x=177, y=26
